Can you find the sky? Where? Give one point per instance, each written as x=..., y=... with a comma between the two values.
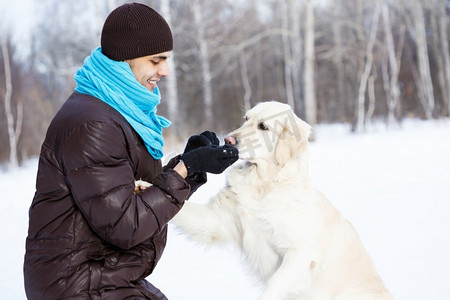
x=16, y=17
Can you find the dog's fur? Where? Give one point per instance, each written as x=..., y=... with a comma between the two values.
x=298, y=244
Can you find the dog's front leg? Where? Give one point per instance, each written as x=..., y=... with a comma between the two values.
x=292, y=279
x=206, y=223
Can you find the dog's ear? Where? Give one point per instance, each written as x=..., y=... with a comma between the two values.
x=293, y=139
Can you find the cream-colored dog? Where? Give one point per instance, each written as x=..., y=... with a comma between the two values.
x=298, y=244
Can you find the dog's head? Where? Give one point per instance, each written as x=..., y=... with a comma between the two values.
x=271, y=131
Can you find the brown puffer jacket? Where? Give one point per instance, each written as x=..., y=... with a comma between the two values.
x=90, y=236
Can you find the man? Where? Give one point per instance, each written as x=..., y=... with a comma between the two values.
x=91, y=235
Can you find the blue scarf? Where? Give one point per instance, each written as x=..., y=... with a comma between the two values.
x=114, y=83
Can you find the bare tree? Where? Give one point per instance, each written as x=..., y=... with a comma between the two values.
x=372, y=98
x=426, y=93
x=172, y=85
x=367, y=69
x=247, y=51
x=445, y=50
x=245, y=80
x=394, y=59
x=309, y=74
x=204, y=61
x=288, y=61
x=296, y=48
x=438, y=57
x=338, y=57
x=62, y=51
x=102, y=9
x=14, y=130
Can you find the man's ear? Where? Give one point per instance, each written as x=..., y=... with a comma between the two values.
x=293, y=139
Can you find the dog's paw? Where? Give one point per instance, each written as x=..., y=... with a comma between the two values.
x=140, y=185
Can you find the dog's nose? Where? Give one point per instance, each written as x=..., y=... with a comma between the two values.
x=230, y=140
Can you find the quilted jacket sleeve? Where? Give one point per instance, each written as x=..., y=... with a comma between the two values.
x=101, y=181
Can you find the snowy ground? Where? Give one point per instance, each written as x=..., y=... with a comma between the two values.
x=394, y=186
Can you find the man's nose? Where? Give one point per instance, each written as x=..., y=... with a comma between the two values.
x=163, y=70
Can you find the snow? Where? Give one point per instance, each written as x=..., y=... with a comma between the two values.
x=393, y=185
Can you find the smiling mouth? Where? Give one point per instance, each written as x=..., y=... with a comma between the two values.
x=152, y=82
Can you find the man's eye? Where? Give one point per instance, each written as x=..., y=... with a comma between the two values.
x=262, y=126
x=155, y=62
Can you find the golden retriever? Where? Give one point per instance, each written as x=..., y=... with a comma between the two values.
x=297, y=243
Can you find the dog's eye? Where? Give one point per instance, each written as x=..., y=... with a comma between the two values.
x=262, y=126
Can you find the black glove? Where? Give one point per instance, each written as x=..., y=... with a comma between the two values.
x=212, y=159
x=206, y=138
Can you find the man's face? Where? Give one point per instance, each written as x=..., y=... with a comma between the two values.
x=149, y=69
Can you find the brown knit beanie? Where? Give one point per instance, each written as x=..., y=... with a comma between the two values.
x=135, y=30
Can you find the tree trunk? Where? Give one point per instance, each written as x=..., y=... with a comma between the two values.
x=288, y=62
x=204, y=62
x=445, y=51
x=245, y=80
x=309, y=83
x=362, y=44
x=372, y=100
x=386, y=86
x=367, y=70
x=13, y=133
x=427, y=100
x=438, y=56
x=338, y=60
x=297, y=54
x=172, y=86
x=394, y=58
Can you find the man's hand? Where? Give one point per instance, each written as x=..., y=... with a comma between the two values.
x=206, y=138
x=212, y=159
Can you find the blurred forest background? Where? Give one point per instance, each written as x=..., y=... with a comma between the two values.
x=350, y=61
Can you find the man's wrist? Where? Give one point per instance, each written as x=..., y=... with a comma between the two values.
x=181, y=169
